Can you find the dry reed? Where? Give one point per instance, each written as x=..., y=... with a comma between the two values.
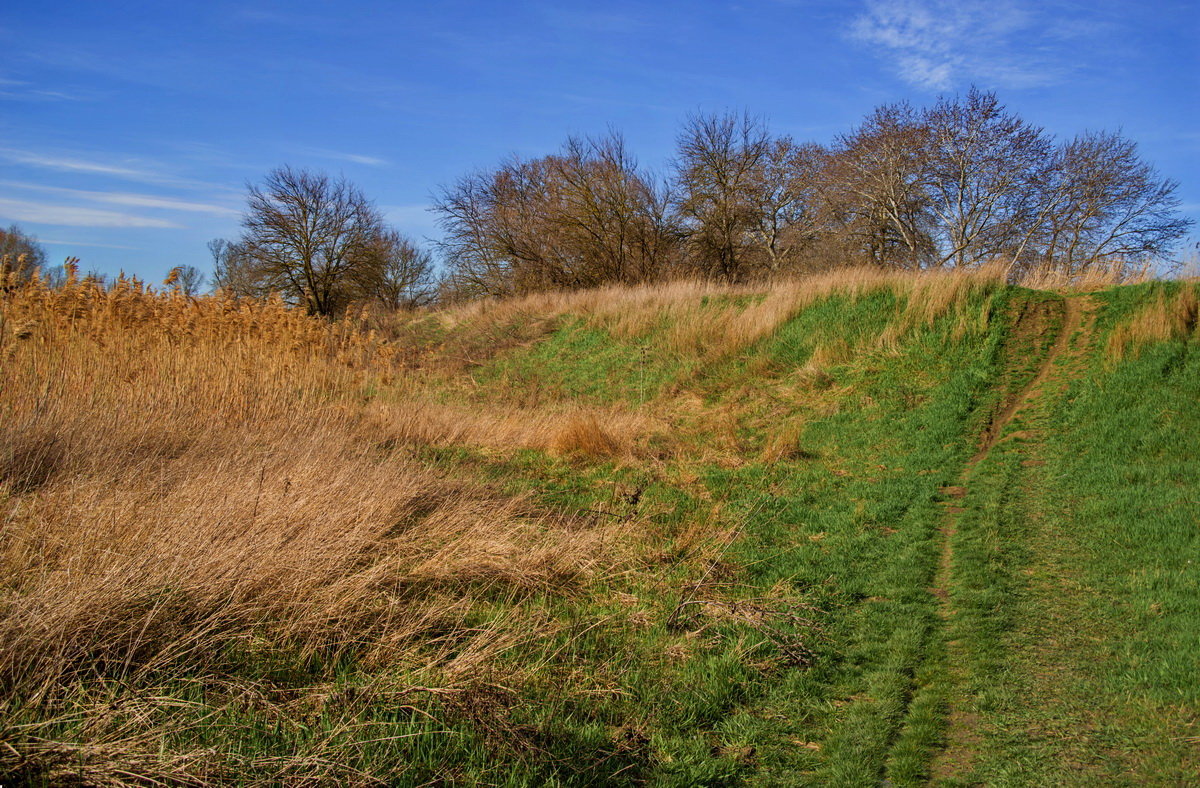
x=186, y=482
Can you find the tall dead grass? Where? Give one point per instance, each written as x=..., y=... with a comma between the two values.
x=1166, y=317
x=712, y=321
x=1098, y=276
x=187, y=483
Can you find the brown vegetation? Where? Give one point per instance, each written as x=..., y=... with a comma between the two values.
x=189, y=481
x=188, y=485
x=1166, y=317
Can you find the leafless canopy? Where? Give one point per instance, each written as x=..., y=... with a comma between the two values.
x=956, y=184
x=721, y=161
x=187, y=279
x=967, y=180
x=1103, y=203
x=20, y=252
x=322, y=244
x=584, y=216
x=405, y=277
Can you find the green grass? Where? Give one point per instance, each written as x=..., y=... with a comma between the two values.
x=1077, y=577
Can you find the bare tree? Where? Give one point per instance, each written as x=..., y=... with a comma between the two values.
x=20, y=253
x=406, y=276
x=479, y=262
x=499, y=239
x=783, y=191
x=1106, y=204
x=720, y=157
x=984, y=167
x=310, y=237
x=187, y=279
x=582, y=217
x=875, y=188
x=614, y=218
x=233, y=272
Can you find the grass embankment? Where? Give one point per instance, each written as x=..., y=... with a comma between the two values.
x=688, y=535
x=1078, y=563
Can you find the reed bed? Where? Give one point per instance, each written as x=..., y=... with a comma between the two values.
x=189, y=484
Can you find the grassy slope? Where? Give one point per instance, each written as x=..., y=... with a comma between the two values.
x=773, y=622
x=1078, y=569
x=845, y=524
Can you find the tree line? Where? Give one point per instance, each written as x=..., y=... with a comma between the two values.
x=958, y=183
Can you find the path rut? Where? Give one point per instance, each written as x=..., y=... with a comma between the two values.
x=955, y=759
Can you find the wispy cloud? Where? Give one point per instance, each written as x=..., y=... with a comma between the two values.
x=354, y=158
x=942, y=44
x=21, y=90
x=68, y=164
x=592, y=21
x=74, y=216
x=36, y=94
x=128, y=199
x=86, y=243
x=125, y=168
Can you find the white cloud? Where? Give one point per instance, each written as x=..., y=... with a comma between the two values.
x=73, y=165
x=372, y=161
x=85, y=243
x=72, y=216
x=125, y=168
x=354, y=158
x=125, y=198
x=943, y=44
x=20, y=90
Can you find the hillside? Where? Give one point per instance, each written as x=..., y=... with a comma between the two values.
x=852, y=528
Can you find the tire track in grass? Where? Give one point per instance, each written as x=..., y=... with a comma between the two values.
x=961, y=736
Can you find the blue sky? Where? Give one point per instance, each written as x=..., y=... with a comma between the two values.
x=128, y=130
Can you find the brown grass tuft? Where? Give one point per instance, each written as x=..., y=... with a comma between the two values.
x=785, y=442
x=582, y=435
x=1165, y=318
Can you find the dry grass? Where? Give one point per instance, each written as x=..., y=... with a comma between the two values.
x=1165, y=318
x=583, y=435
x=1099, y=276
x=186, y=482
x=597, y=432
x=785, y=442
x=712, y=321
